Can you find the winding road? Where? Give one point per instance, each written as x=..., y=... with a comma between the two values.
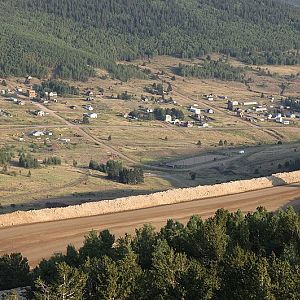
x=37, y=241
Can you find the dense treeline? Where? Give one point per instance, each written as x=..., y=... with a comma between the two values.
x=158, y=113
x=61, y=88
x=6, y=154
x=212, y=69
x=229, y=256
x=52, y=161
x=28, y=161
x=271, y=58
x=116, y=171
x=72, y=37
x=293, y=103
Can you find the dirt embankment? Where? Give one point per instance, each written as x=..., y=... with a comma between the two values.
x=145, y=201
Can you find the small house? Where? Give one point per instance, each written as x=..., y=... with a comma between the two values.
x=64, y=140
x=209, y=97
x=168, y=118
x=31, y=93
x=37, y=133
x=249, y=103
x=40, y=113
x=232, y=104
x=89, y=107
x=92, y=115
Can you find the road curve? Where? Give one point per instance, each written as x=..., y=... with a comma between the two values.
x=37, y=241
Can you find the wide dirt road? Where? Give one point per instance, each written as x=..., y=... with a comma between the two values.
x=37, y=241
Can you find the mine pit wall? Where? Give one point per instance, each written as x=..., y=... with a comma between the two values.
x=146, y=201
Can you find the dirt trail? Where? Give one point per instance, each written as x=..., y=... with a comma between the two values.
x=37, y=241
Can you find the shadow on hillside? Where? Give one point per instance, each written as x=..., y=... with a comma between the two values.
x=74, y=199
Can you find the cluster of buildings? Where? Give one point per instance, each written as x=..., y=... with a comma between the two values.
x=201, y=116
x=253, y=111
x=16, y=101
x=40, y=133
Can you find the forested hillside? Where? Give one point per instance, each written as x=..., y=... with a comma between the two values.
x=292, y=2
x=72, y=36
x=229, y=256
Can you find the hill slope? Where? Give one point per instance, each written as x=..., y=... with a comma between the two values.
x=71, y=34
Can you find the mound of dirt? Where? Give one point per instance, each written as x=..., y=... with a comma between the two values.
x=145, y=201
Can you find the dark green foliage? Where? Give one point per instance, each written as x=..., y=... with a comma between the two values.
x=96, y=246
x=271, y=58
x=116, y=171
x=155, y=89
x=69, y=284
x=54, y=160
x=93, y=165
x=293, y=103
x=229, y=256
x=131, y=176
x=69, y=38
x=212, y=69
x=28, y=161
x=6, y=154
x=59, y=87
x=193, y=175
x=125, y=96
x=160, y=113
x=14, y=271
x=113, y=169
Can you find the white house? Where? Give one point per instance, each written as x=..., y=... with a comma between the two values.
x=195, y=110
x=49, y=133
x=92, y=115
x=64, y=140
x=40, y=113
x=204, y=125
x=248, y=103
x=260, y=109
x=168, y=118
x=37, y=133
x=210, y=97
x=89, y=107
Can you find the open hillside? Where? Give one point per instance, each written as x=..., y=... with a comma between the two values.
x=70, y=37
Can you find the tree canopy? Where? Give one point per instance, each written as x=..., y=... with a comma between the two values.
x=228, y=256
x=71, y=37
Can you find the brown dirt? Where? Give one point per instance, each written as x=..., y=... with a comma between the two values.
x=37, y=241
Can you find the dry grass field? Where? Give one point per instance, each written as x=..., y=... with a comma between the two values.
x=155, y=144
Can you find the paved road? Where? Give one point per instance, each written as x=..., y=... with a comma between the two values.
x=40, y=240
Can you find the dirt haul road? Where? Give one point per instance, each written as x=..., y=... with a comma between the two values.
x=37, y=241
